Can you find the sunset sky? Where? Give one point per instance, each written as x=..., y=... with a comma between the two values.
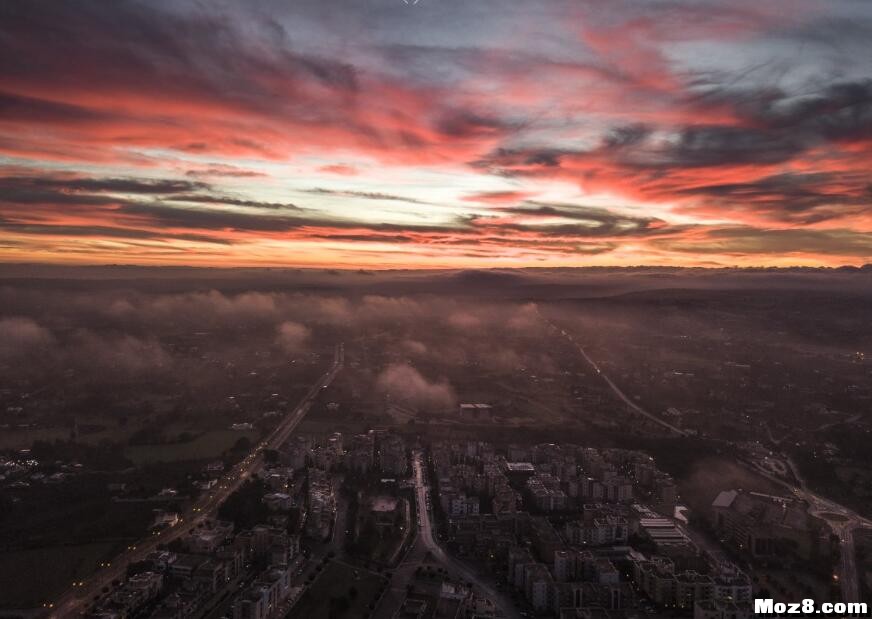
x=451, y=133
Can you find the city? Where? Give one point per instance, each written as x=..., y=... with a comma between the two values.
x=405, y=459
x=435, y=309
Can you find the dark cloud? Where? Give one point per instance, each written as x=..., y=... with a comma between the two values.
x=230, y=201
x=509, y=162
x=152, y=47
x=627, y=135
x=839, y=111
x=701, y=146
x=112, y=232
x=30, y=109
x=744, y=240
x=222, y=170
x=85, y=190
x=597, y=222
x=366, y=238
x=209, y=219
x=365, y=195
x=800, y=198
x=122, y=185
x=466, y=123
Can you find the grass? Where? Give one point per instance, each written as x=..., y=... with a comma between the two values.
x=334, y=583
x=29, y=578
x=206, y=446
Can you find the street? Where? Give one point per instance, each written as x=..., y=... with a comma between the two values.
x=75, y=599
x=425, y=536
x=842, y=520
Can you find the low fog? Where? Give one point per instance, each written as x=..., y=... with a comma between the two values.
x=419, y=341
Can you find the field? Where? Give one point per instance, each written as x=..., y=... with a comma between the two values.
x=339, y=593
x=29, y=578
x=79, y=514
x=208, y=445
x=104, y=428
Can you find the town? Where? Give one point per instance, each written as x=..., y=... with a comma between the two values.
x=382, y=524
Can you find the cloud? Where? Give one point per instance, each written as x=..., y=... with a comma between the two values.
x=125, y=354
x=340, y=169
x=366, y=195
x=498, y=197
x=694, y=117
x=20, y=337
x=292, y=337
x=405, y=384
x=743, y=240
x=797, y=198
x=570, y=220
x=221, y=170
x=414, y=347
x=464, y=320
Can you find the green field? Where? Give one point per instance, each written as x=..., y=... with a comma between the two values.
x=208, y=445
x=338, y=588
x=29, y=578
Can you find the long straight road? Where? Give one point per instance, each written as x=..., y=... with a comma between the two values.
x=615, y=389
x=818, y=506
x=425, y=536
x=73, y=602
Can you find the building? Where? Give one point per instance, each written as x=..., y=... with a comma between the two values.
x=538, y=587
x=361, y=453
x=392, y=456
x=321, y=505
x=762, y=525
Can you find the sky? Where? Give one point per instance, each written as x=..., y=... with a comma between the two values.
x=442, y=134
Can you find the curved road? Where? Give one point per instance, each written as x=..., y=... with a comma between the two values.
x=75, y=599
x=842, y=520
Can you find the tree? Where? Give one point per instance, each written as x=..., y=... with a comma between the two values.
x=245, y=507
x=242, y=444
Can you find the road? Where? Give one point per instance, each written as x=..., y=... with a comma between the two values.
x=76, y=599
x=847, y=563
x=615, y=389
x=425, y=536
x=818, y=505
x=842, y=520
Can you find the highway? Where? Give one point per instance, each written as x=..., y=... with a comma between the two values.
x=425, y=536
x=842, y=520
x=847, y=562
x=615, y=389
x=74, y=601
